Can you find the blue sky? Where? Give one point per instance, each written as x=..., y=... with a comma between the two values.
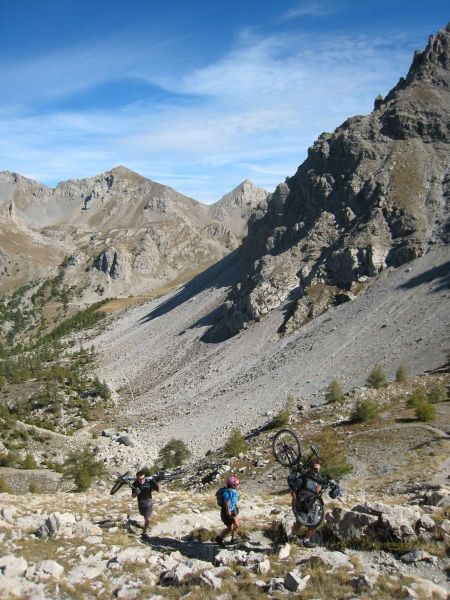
x=198, y=95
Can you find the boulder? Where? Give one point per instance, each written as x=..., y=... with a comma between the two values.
x=284, y=552
x=49, y=568
x=229, y=557
x=294, y=582
x=176, y=575
x=211, y=580
x=127, y=440
x=13, y=566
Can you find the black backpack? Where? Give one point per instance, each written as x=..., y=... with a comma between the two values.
x=219, y=497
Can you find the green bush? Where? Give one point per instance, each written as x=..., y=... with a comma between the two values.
x=438, y=394
x=334, y=392
x=333, y=454
x=4, y=487
x=173, y=454
x=82, y=466
x=401, y=374
x=364, y=411
x=376, y=378
x=281, y=419
x=29, y=462
x=235, y=443
x=417, y=397
x=10, y=459
x=425, y=412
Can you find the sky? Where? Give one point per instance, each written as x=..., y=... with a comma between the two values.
x=198, y=95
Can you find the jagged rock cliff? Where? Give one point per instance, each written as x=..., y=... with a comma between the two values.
x=370, y=195
x=126, y=234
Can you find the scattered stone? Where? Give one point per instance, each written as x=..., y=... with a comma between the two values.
x=211, y=580
x=13, y=566
x=416, y=556
x=294, y=582
x=284, y=552
x=49, y=568
x=176, y=575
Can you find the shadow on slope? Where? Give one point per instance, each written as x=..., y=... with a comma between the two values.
x=224, y=273
x=191, y=549
x=440, y=273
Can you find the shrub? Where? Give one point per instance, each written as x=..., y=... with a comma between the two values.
x=401, y=374
x=9, y=460
x=364, y=411
x=425, y=412
x=174, y=453
x=34, y=488
x=376, y=378
x=334, y=392
x=416, y=398
x=281, y=419
x=4, y=487
x=438, y=394
x=29, y=462
x=82, y=466
x=235, y=444
x=333, y=454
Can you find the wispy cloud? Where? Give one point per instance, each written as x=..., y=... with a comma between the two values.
x=252, y=113
x=311, y=9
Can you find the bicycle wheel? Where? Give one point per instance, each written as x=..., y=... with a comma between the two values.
x=286, y=448
x=120, y=481
x=308, y=509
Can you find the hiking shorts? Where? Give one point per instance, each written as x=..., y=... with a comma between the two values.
x=226, y=518
x=146, y=508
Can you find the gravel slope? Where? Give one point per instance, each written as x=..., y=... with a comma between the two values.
x=175, y=385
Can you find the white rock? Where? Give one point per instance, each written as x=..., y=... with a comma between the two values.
x=294, y=582
x=284, y=552
x=49, y=568
x=263, y=567
x=211, y=580
x=13, y=566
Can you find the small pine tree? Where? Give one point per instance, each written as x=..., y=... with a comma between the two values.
x=82, y=466
x=29, y=462
x=333, y=455
x=334, y=392
x=425, y=412
x=4, y=487
x=365, y=410
x=401, y=374
x=438, y=394
x=416, y=398
x=376, y=378
x=173, y=454
x=235, y=444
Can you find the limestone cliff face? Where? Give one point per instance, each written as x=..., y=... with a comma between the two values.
x=127, y=234
x=370, y=195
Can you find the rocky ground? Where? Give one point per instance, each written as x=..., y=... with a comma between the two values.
x=386, y=537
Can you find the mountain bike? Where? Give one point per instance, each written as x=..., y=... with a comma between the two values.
x=128, y=478
x=308, y=506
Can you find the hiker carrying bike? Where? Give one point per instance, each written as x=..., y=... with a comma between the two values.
x=229, y=513
x=142, y=489
x=311, y=480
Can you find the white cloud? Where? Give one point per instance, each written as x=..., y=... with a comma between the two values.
x=251, y=114
x=310, y=9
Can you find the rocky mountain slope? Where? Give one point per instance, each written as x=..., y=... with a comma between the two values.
x=125, y=234
x=373, y=194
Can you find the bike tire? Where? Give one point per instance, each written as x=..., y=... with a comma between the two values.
x=119, y=483
x=287, y=448
x=308, y=509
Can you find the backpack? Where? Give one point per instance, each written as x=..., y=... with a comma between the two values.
x=219, y=497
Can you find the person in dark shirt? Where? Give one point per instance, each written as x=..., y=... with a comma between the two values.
x=142, y=489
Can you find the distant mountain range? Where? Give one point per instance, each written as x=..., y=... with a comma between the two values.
x=124, y=234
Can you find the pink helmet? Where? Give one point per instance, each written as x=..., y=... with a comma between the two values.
x=233, y=481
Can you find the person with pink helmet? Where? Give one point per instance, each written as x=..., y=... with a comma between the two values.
x=229, y=512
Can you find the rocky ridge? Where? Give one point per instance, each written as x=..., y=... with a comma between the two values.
x=374, y=194
x=123, y=232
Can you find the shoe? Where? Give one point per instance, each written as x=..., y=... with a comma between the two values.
x=309, y=544
x=235, y=541
x=220, y=542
